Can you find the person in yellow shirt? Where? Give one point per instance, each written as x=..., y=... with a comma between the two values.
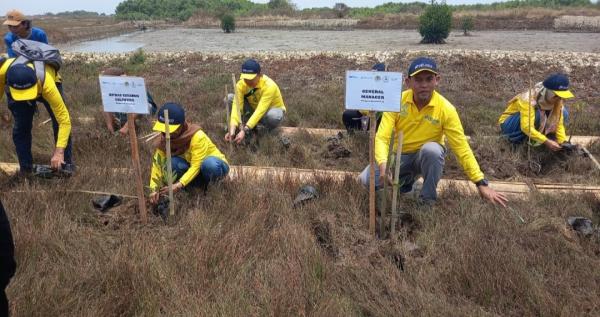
x=426, y=118
x=195, y=160
x=23, y=92
x=538, y=114
x=260, y=99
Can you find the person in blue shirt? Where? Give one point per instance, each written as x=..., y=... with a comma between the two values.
x=19, y=27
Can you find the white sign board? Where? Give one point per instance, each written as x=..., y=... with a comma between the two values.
x=373, y=91
x=124, y=94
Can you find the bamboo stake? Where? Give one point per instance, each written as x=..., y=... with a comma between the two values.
x=385, y=184
x=396, y=187
x=235, y=100
x=228, y=120
x=135, y=157
x=585, y=150
x=169, y=167
x=372, y=212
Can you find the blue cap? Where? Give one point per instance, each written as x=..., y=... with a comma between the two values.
x=22, y=82
x=559, y=84
x=422, y=64
x=176, y=117
x=250, y=69
x=380, y=67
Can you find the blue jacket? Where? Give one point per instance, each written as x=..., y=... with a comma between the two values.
x=37, y=34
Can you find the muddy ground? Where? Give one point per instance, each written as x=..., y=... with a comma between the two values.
x=252, y=40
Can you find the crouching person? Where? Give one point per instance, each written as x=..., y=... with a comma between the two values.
x=195, y=160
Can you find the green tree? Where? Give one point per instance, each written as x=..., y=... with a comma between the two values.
x=435, y=23
x=227, y=23
x=467, y=24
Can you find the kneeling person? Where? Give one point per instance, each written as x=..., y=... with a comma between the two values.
x=538, y=114
x=426, y=118
x=260, y=99
x=195, y=160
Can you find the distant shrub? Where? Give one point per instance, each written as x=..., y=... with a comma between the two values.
x=228, y=23
x=138, y=57
x=467, y=24
x=341, y=10
x=435, y=23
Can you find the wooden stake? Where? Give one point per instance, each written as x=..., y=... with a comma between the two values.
x=585, y=150
x=396, y=187
x=169, y=167
x=235, y=100
x=228, y=120
x=135, y=158
x=372, y=211
x=385, y=184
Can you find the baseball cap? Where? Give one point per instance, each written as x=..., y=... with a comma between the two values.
x=422, y=64
x=559, y=84
x=250, y=69
x=22, y=82
x=14, y=18
x=176, y=117
x=380, y=67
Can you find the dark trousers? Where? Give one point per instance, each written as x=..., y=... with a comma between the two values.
x=7, y=259
x=23, y=112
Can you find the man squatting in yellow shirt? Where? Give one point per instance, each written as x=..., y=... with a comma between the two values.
x=426, y=118
x=24, y=90
x=195, y=160
x=260, y=99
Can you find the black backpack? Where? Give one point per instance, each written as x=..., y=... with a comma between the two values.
x=39, y=54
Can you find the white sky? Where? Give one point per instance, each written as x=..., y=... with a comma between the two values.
x=108, y=6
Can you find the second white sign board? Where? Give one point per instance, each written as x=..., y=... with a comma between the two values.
x=373, y=91
x=124, y=94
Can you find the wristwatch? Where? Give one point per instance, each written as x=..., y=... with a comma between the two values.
x=483, y=182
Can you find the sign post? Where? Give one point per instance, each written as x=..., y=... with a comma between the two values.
x=373, y=91
x=128, y=95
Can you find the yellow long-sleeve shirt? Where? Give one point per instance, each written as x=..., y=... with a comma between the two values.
x=266, y=96
x=200, y=147
x=433, y=123
x=51, y=93
x=521, y=105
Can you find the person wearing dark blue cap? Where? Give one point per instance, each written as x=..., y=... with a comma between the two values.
x=195, y=160
x=358, y=119
x=427, y=119
x=538, y=114
x=259, y=101
x=23, y=93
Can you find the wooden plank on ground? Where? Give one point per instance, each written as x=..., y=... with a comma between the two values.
x=312, y=131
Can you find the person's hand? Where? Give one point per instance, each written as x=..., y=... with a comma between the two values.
x=552, y=145
x=229, y=137
x=124, y=130
x=382, y=175
x=493, y=196
x=58, y=158
x=153, y=198
x=240, y=137
x=176, y=187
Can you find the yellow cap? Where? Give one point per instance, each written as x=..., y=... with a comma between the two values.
x=247, y=76
x=564, y=94
x=161, y=127
x=30, y=93
x=14, y=18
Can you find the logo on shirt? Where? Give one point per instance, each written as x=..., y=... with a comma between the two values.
x=432, y=120
x=403, y=110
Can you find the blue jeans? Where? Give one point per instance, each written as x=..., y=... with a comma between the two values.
x=212, y=169
x=511, y=127
x=23, y=112
x=429, y=162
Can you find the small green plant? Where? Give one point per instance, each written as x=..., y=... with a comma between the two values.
x=467, y=25
x=228, y=23
x=162, y=181
x=435, y=23
x=138, y=57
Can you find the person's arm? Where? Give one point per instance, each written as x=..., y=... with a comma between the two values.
x=263, y=106
x=43, y=38
x=458, y=143
x=528, y=122
x=236, y=107
x=199, y=151
x=156, y=172
x=52, y=95
x=8, y=40
x=561, y=133
x=108, y=120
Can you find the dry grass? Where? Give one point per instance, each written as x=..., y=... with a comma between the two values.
x=241, y=249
